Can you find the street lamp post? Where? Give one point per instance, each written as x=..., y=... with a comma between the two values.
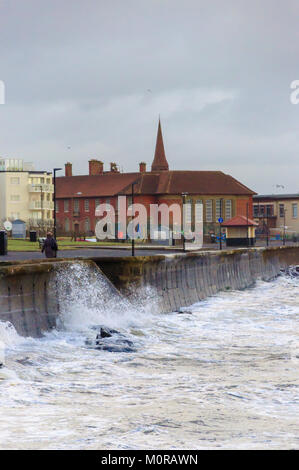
x=133, y=234
x=247, y=210
x=284, y=226
x=41, y=207
x=220, y=225
x=267, y=228
x=54, y=197
x=183, y=219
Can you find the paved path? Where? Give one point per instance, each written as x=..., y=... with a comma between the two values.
x=111, y=252
x=84, y=253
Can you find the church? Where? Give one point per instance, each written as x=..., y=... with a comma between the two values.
x=77, y=196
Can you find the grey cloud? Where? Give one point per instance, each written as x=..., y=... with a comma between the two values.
x=78, y=73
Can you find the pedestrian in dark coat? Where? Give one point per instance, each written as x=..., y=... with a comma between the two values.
x=50, y=246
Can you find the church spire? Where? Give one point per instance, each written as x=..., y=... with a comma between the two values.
x=160, y=163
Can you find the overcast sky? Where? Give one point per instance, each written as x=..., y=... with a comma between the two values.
x=88, y=79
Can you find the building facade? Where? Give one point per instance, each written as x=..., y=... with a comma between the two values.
x=26, y=194
x=278, y=213
x=78, y=196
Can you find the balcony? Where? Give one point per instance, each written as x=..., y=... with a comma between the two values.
x=41, y=188
x=39, y=205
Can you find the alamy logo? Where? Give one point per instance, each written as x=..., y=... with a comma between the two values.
x=2, y=92
x=160, y=222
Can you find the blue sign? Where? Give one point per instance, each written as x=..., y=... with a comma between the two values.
x=220, y=220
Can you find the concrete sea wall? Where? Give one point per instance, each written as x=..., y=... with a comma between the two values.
x=183, y=279
x=29, y=292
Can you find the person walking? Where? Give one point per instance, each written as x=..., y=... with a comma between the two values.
x=50, y=246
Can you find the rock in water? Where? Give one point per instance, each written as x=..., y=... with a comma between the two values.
x=117, y=343
x=105, y=332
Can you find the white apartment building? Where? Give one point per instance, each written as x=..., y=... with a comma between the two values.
x=25, y=194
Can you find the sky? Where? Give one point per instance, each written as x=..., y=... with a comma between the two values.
x=89, y=79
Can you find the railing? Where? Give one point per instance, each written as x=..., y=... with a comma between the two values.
x=38, y=205
x=38, y=188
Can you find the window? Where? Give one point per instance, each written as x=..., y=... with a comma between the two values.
x=219, y=211
x=255, y=211
x=56, y=206
x=209, y=210
x=269, y=210
x=97, y=203
x=294, y=211
x=188, y=211
x=76, y=205
x=87, y=225
x=86, y=205
x=15, y=197
x=281, y=210
x=66, y=205
x=198, y=210
x=67, y=225
x=15, y=180
x=228, y=209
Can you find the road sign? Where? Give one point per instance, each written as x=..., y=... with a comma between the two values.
x=7, y=225
x=220, y=220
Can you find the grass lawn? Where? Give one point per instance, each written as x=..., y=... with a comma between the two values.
x=63, y=244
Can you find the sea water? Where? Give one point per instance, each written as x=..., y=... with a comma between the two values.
x=223, y=374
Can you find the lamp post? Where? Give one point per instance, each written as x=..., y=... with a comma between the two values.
x=133, y=234
x=54, y=197
x=183, y=218
x=41, y=206
x=247, y=210
x=220, y=225
x=267, y=228
x=284, y=226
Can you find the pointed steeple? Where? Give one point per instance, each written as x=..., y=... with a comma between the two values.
x=160, y=163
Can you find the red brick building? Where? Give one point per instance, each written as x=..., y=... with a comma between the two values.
x=78, y=196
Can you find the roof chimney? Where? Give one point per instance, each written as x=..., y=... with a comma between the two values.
x=68, y=169
x=96, y=167
x=113, y=167
x=142, y=167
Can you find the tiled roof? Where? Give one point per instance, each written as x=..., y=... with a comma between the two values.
x=151, y=183
x=108, y=184
x=239, y=221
